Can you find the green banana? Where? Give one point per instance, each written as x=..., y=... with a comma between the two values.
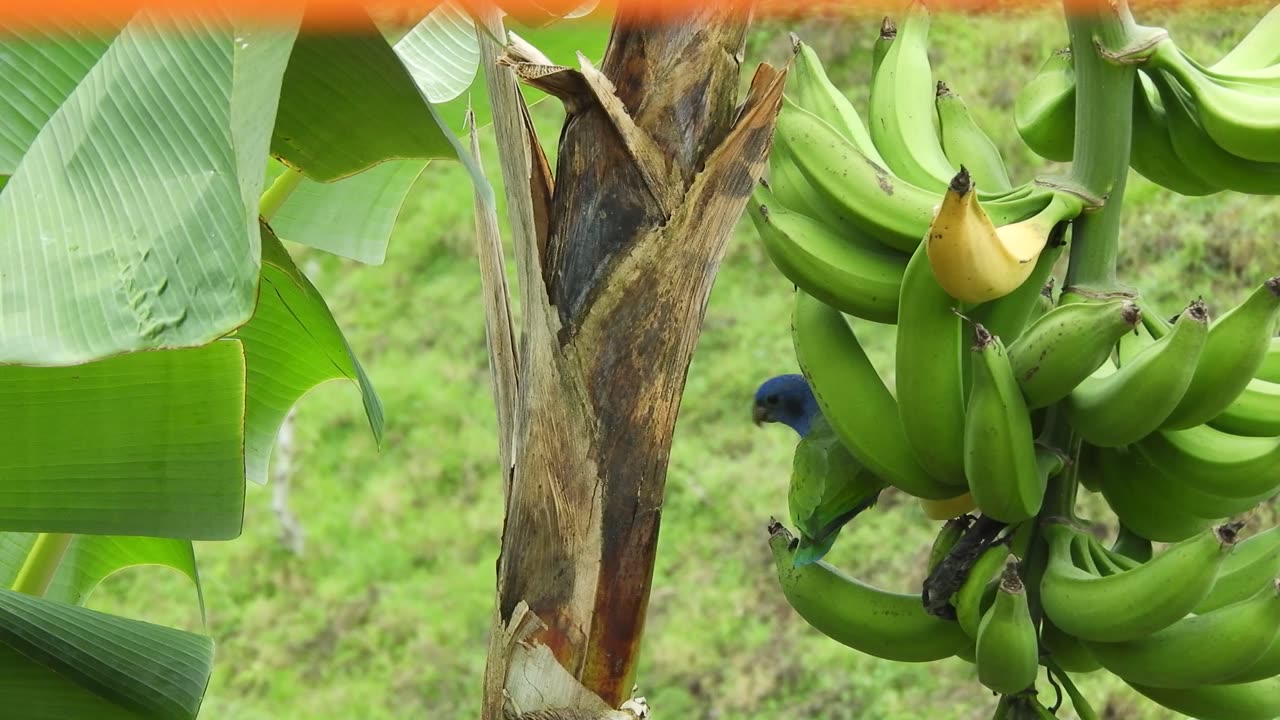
x=901, y=111
x=869, y=197
x=1257, y=49
x=975, y=595
x=1144, y=510
x=1065, y=346
x=1104, y=560
x=791, y=189
x=1119, y=407
x=888, y=33
x=1066, y=650
x=1152, y=153
x=1155, y=477
x=1252, y=701
x=1266, y=666
x=1209, y=162
x=809, y=86
x=1131, y=545
x=1044, y=111
x=1239, y=116
x=1198, y=649
x=966, y=145
x=1134, y=603
x=888, y=625
x=1007, y=651
x=1255, y=411
x=1131, y=344
x=1250, y=567
x=929, y=374
x=855, y=400
x=1042, y=304
x=861, y=280
x=1233, y=351
x=1000, y=462
x=1270, y=368
x=1216, y=462
x=1082, y=557
x=951, y=532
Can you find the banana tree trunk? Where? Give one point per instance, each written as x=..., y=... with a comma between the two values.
x=616, y=256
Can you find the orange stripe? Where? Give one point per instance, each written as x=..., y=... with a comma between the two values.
x=335, y=14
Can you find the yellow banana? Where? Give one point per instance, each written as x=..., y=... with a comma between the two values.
x=972, y=259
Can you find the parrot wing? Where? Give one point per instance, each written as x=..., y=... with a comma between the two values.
x=829, y=487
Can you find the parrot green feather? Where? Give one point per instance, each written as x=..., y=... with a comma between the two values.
x=828, y=489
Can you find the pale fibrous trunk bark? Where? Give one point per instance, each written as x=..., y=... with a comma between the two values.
x=616, y=255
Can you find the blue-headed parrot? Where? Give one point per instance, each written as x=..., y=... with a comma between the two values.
x=828, y=486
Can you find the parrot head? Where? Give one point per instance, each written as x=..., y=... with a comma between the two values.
x=786, y=399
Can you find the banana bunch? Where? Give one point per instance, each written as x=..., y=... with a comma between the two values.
x=1197, y=129
x=847, y=202
x=1193, y=628
x=911, y=219
x=1180, y=428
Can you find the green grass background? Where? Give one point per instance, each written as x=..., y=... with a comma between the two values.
x=386, y=613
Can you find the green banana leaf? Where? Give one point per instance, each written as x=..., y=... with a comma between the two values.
x=130, y=221
x=149, y=443
x=348, y=102
x=559, y=41
x=291, y=345
x=352, y=217
x=441, y=53
x=59, y=661
x=38, y=70
x=90, y=559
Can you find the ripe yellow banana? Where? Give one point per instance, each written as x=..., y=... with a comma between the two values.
x=972, y=259
x=947, y=509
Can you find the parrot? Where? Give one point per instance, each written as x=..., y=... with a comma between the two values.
x=829, y=487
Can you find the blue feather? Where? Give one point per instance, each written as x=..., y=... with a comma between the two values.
x=789, y=400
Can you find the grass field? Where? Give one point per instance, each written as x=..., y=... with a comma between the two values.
x=385, y=614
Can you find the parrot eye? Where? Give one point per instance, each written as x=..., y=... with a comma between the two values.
x=771, y=400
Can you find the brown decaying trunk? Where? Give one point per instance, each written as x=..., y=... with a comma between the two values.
x=656, y=163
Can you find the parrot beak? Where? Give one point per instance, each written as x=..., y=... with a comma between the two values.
x=759, y=414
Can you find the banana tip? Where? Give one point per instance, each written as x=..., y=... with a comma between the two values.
x=982, y=337
x=1229, y=533
x=1198, y=311
x=1010, y=581
x=1132, y=314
